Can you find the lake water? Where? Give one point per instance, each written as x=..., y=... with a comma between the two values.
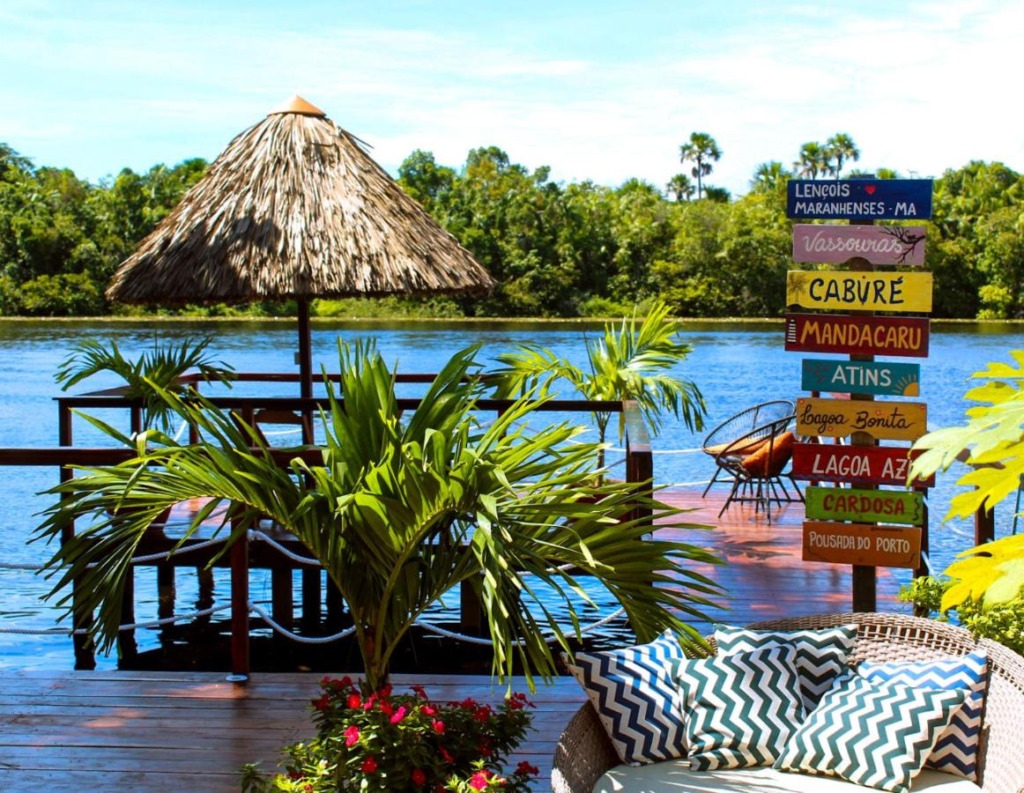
x=735, y=366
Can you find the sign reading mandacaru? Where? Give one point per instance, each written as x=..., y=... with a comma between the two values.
x=865, y=465
x=860, y=377
x=859, y=291
x=862, y=544
x=839, y=418
x=870, y=506
x=905, y=337
x=876, y=244
x=859, y=199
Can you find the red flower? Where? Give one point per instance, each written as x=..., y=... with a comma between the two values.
x=354, y=701
x=369, y=765
x=399, y=715
x=322, y=703
x=438, y=726
x=351, y=735
x=446, y=755
x=527, y=769
x=479, y=780
x=386, y=707
x=419, y=779
x=419, y=691
x=428, y=710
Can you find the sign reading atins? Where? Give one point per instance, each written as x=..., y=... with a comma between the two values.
x=859, y=199
x=860, y=377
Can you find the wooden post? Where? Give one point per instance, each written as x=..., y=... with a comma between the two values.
x=240, y=610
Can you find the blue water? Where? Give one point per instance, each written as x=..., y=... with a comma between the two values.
x=735, y=365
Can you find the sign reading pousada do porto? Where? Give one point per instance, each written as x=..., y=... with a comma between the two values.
x=839, y=418
x=859, y=291
x=905, y=337
x=865, y=465
x=876, y=244
x=860, y=377
x=862, y=544
x=871, y=506
x=859, y=199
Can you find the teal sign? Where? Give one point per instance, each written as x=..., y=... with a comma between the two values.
x=861, y=377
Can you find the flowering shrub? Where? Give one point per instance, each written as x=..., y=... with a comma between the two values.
x=381, y=741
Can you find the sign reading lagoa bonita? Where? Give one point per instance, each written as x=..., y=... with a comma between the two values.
x=859, y=199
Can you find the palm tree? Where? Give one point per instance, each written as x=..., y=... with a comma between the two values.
x=840, y=148
x=814, y=161
x=680, y=186
x=702, y=150
x=402, y=508
x=770, y=177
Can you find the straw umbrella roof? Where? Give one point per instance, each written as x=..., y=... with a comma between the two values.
x=294, y=207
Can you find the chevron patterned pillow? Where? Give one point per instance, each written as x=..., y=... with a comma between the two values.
x=636, y=697
x=871, y=733
x=821, y=655
x=741, y=709
x=957, y=749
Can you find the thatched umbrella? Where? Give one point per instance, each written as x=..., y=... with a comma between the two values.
x=295, y=208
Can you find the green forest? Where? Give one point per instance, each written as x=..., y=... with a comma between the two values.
x=555, y=249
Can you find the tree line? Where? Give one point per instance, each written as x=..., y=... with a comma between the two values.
x=556, y=249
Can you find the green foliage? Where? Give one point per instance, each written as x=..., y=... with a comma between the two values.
x=701, y=150
x=403, y=507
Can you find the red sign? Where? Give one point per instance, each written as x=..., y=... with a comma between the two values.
x=877, y=244
x=877, y=465
x=901, y=336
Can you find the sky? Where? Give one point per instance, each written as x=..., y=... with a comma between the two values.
x=600, y=90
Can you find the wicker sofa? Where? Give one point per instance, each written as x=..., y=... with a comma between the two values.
x=584, y=752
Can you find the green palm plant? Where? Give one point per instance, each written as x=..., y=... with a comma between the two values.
x=628, y=363
x=401, y=509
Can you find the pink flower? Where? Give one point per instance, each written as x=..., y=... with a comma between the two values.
x=399, y=715
x=438, y=726
x=351, y=735
x=369, y=765
x=419, y=779
x=479, y=780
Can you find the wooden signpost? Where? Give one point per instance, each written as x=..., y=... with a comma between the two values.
x=840, y=418
x=860, y=377
x=863, y=465
x=859, y=291
x=862, y=544
x=877, y=244
x=906, y=337
x=859, y=199
x=875, y=506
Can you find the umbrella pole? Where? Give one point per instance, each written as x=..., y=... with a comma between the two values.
x=305, y=365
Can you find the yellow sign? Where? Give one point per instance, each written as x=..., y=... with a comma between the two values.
x=838, y=418
x=856, y=291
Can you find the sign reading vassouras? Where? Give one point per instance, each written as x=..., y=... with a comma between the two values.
x=900, y=336
x=859, y=291
x=860, y=377
x=859, y=199
x=839, y=418
x=862, y=544
x=865, y=506
x=868, y=465
x=876, y=244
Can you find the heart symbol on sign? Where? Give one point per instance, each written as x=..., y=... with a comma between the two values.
x=870, y=189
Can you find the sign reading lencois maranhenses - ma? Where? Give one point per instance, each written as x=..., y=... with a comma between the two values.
x=840, y=418
x=861, y=377
x=859, y=199
x=862, y=544
x=832, y=244
x=859, y=291
x=865, y=506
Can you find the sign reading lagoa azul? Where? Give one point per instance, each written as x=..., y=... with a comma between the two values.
x=840, y=418
x=861, y=377
x=833, y=244
x=869, y=465
x=859, y=291
x=902, y=336
x=859, y=199
x=865, y=506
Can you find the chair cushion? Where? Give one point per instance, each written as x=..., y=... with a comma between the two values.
x=871, y=733
x=821, y=655
x=749, y=447
x=740, y=709
x=674, y=776
x=636, y=697
x=956, y=751
x=770, y=458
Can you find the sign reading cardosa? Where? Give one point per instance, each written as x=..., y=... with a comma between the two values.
x=859, y=199
x=865, y=506
x=859, y=291
x=861, y=377
x=839, y=418
x=905, y=337
x=862, y=544
x=876, y=244
x=866, y=465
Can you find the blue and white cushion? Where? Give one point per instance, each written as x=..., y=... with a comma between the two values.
x=635, y=694
x=821, y=654
x=956, y=751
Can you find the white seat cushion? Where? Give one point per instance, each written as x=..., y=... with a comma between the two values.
x=674, y=776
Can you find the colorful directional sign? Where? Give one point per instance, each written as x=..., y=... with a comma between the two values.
x=859, y=199
x=871, y=506
x=862, y=544
x=877, y=244
x=860, y=377
x=864, y=465
x=906, y=337
x=840, y=418
x=859, y=291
